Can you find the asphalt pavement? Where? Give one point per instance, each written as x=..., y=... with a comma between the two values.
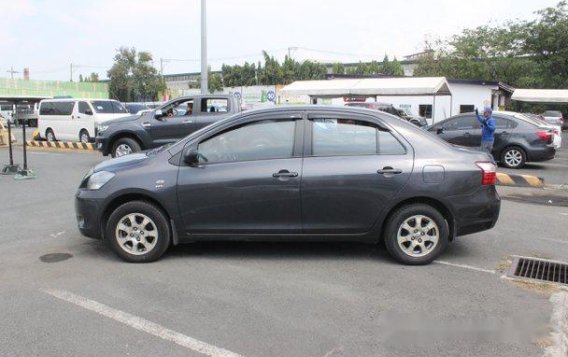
x=262, y=299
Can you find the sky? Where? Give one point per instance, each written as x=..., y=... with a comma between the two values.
x=47, y=36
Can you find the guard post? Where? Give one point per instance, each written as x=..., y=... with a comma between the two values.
x=10, y=169
x=26, y=173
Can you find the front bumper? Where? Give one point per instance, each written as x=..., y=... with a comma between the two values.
x=103, y=145
x=88, y=213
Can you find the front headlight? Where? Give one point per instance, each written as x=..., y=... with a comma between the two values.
x=99, y=179
x=102, y=127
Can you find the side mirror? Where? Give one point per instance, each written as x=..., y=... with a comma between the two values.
x=158, y=114
x=88, y=112
x=191, y=157
x=439, y=131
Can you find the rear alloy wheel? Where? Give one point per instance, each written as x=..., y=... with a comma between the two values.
x=138, y=232
x=84, y=137
x=416, y=234
x=49, y=135
x=513, y=158
x=125, y=146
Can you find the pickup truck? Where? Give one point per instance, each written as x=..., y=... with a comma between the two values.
x=164, y=125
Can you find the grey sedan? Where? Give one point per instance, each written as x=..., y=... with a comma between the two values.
x=293, y=173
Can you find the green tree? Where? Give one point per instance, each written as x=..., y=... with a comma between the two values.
x=133, y=78
x=391, y=68
x=338, y=68
x=547, y=44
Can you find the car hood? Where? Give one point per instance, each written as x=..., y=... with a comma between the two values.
x=121, y=163
x=122, y=119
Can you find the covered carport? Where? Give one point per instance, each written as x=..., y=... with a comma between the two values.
x=541, y=96
x=421, y=92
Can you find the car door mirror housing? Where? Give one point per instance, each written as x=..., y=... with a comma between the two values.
x=158, y=114
x=439, y=130
x=191, y=157
x=88, y=112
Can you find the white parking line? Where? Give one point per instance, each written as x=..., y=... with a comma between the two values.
x=559, y=324
x=141, y=324
x=554, y=240
x=465, y=266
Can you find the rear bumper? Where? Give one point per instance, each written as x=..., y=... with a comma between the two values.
x=541, y=153
x=476, y=212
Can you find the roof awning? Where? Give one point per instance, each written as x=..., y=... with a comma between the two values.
x=370, y=87
x=544, y=96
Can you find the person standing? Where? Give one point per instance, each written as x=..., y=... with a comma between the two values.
x=487, y=130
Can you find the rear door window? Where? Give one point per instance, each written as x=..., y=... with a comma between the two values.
x=333, y=137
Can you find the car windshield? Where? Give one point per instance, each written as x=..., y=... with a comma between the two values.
x=108, y=107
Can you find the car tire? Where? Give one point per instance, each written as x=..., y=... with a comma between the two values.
x=50, y=135
x=416, y=234
x=125, y=146
x=513, y=157
x=84, y=137
x=138, y=232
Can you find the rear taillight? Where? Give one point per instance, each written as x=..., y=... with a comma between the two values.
x=544, y=136
x=488, y=172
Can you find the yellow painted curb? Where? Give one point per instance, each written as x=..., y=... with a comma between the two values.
x=519, y=180
x=61, y=145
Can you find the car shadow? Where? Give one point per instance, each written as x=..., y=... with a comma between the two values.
x=280, y=250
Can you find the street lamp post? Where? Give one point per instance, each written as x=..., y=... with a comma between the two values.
x=204, y=79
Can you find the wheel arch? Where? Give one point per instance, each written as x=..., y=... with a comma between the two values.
x=435, y=203
x=136, y=196
x=126, y=134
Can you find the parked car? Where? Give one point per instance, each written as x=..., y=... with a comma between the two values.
x=164, y=125
x=136, y=108
x=554, y=117
x=293, y=173
x=75, y=119
x=389, y=108
x=557, y=140
x=518, y=139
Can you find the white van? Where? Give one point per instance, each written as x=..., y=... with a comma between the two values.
x=75, y=119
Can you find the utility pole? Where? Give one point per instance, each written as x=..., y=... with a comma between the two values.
x=290, y=51
x=71, y=72
x=12, y=72
x=204, y=68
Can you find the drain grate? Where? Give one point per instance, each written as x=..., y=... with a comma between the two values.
x=539, y=269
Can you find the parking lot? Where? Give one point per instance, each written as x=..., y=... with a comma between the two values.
x=66, y=295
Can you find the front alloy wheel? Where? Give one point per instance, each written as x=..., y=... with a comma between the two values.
x=138, y=231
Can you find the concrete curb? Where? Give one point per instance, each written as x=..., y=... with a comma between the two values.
x=519, y=180
x=61, y=145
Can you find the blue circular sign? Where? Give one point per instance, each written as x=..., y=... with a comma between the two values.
x=271, y=96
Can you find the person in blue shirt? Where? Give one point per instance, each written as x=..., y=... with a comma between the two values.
x=487, y=130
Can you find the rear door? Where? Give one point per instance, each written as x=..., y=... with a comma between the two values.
x=504, y=131
x=352, y=168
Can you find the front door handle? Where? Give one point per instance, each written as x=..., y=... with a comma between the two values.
x=387, y=170
x=467, y=134
x=187, y=121
x=284, y=173
x=146, y=124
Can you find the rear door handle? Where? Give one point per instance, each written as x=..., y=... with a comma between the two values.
x=284, y=173
x=146, y=124
x=387, y=170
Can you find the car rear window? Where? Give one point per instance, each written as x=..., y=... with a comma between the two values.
x=552, y=113
x=108, y=107
x=56, y=108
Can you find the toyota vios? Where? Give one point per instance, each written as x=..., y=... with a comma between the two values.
x=293, y=173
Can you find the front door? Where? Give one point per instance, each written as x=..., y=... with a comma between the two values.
x=352, y=171
x=248, y=181
x=173, y=125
